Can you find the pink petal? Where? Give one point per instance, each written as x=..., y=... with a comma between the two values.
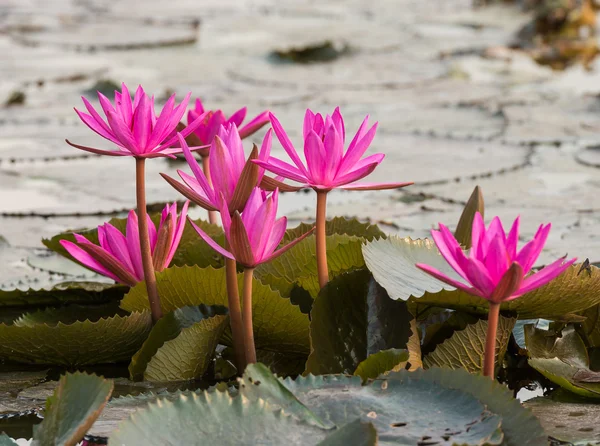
x=334, y=150
x=238, y=117
x=450, y=281
x=338, y=121
x=196, y=170
x=185, y=132
x=358, y=147
x=254, y=125
x=214, y=245
x=123, y=133
x=496, y=260
x=477, y=234
x=361, y=172
x=161, y=129
x=495, y=229
x=309, y=122
x=282, y=168
x=288, y=246
x=105, y=104
x=287, y=144
x=544, y=276
x=132, y=235
x=450, y=249
x=142, y=124
x=98, y=151
x=528, y=255
x=513, y=239
x=316, y=158
x=275, y=237
x=178, y=232
x=221, y=166
x=373, y=186
x=479, y=277
x=118, y=246
x=125, y=105
x=85, y=259
x=97, y=127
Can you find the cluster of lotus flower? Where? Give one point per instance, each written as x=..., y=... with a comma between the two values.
x=239, y=189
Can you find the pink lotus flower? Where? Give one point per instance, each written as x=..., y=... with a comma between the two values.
x=233, y=177
x=495, y=269
x=134, y=126
x=214, y=119
x=327, y=167
x=254, y=235
x=119, y=256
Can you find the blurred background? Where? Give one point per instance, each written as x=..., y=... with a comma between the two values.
x=498, y=94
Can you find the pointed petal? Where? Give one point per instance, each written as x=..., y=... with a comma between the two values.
x=270, y=184
x=86, y=260
x=214, y=245
x=282, y=168
x=254, y=125
x=288, y=246
x=178, y=232
x=316, y=158
x=132, y=235
x=545, y=275
x=238, y=117
x=528, y=255
x=496, y=260
x=196, y=170
x=287, y=144
x=450, y=249
x=247, y=181
x=480, y=278
x=477, y=234
x=142, y=124
x=509, y=284
x=99, y=151
x=373, y=186
x=275, y=237
x=189, y=193
x=450, y=281
x=240, y=242
x=123, y=133
x=357, y=149
x=513, y=239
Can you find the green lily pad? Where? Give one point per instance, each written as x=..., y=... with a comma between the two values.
x=338, y=225
x=591, y=325
x=356, y=433
x=279, y=326
x=69, y=314
x=180, y=345
x=80, y=343
x=580, y=381
x=465, y=349
x=519, y=330
x=566, y=346
x=298, y=265
x=63, y=293
x=352, y=318
x=214, y=418
x=392, y=262
x=75, y=405
x=568, y=418
x=380, y=363
x=5, y=440
x=192, y=250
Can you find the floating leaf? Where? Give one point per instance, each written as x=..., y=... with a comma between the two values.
x=566, y=376
x=63, y=293
x=356, y=433
x=298, y=265
x=338, y=225
x=72, y=409
x=380, y=363
x=591, y=325
x=566, y=346
x=279, y=326
x=392, y=262
x=179, y=347
x=465, y=223
x=466, y=348
x=214, y=418
x=192, y=250
x=519, y=330
x=5, y=440
x=80, y=343
x=69, y=314
x=352, y=318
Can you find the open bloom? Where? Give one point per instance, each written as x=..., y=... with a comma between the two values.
x=134, y=126
x=233, y=177
x=253, y=235
x=494, y=268
x=214, y=119
x=118, y=255
x=327, y=166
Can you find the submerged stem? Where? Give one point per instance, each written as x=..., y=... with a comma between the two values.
x=235, y=315
x=321, y=239
x=247, y=309
x=490, y=341
x=212, y=215
x=145, y=249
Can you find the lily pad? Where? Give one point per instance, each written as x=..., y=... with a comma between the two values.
x=381, y=363
x=392, y=262
x=69, y=314
x=591, y=325
x=75, y=405
x=547, y=344
x=356, y=433
x=5, y=440
x=62, y=293
x=180, y=345
x=580, y=381
x=192, y=250
x=338, y=225
x=80, y=343
x=279, y=326
x=465, y=349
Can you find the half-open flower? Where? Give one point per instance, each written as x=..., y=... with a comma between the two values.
x=254, y=235
x=327, y=166
x=214, y=119
x=119, y=256
x=233, y=176
x=494, y=268
x=134, y=126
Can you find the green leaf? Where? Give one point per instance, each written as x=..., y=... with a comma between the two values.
x=279, y=326
x=259, y=383
x=591, y=325
x=380, y=363
x=356, y=433
x=298, y=265
x=282, y=364
x=63, y=293
x=567, y=417
x=569, y=377
x=566, y=346
x=352, y=318
x=80, y=343
x=392, y=262
x=179, y=347
x=5, y=440
x=69, y=314
x=465, y=349
x=72, y=409
x=338, y=225
x=519, y=330
x=192, y=250
x=465, y=223
x=214, y=418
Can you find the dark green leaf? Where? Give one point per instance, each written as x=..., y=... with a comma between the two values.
x=5, y=440
x=380, y=363
x=80, y=343
x=566, y=346
x=75, y=405
x=591, y=325
x=69, y=314
x=338, y=225
x=465, y=223
x=62, y=293
x=356, y=433
x=352, y=318
x=465, y=349
x=279, y=326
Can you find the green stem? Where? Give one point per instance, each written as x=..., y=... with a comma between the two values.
x=490, y=341
x=321, y=237
x=145, y=250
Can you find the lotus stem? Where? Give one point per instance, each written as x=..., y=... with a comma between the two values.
x=212, y=215
x=146, y=252
x=322, y=239
x=490, y=341
x=247, y=309
x=235, y=314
